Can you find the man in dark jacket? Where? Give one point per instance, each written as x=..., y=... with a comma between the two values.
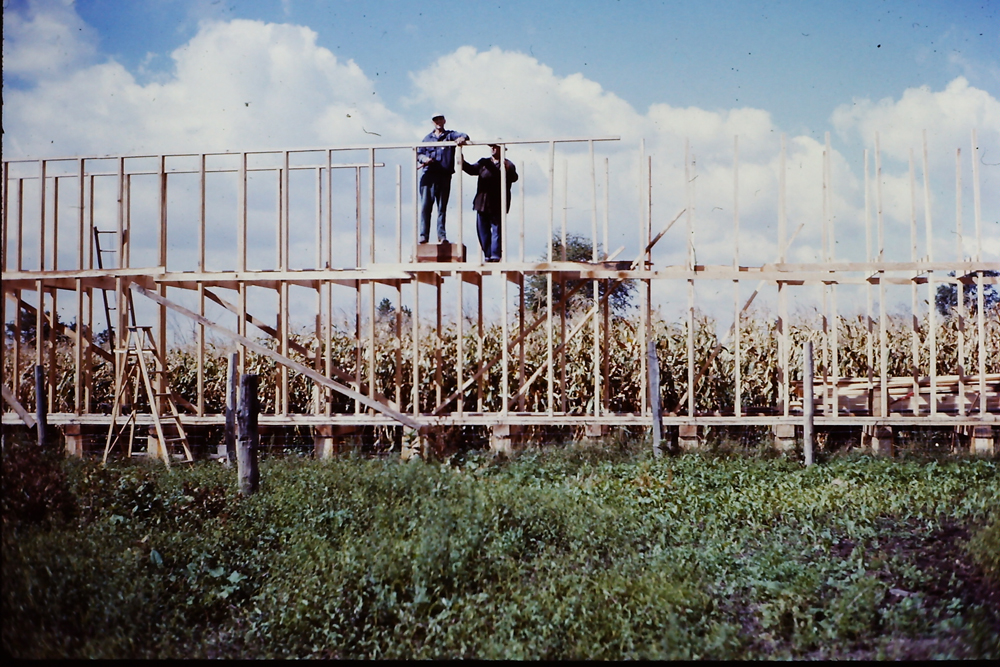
x=438, y=163
x=487, y=201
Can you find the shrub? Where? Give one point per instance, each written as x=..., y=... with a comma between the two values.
x=33, y=486
x=985, y=549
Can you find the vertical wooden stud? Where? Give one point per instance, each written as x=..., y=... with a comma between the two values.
x=960, y=287
x=808, y=406
x=737, y=325
x=882, y=337
x=931, y=315
x=200, y=405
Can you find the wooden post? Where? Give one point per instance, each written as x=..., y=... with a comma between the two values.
x=357, y=284
x=869, y=322
x=16, y=352
x=160, y=381
x=654, y=397
x=737, y=341
x=398, y=333
x=808, y=407
x=241, y=251
x=980, y=305
x=689, y=234
x=883, y=409
x=834, y=340
x=782, y=295
x=931, y=320
x=41, y=406
x=960, y=287
x=914, y=325
x=596, y=332
x=644, y=207
x=415, y=342
x=438, y=355
x=78, y=375
x=249, y=440
x=548, y=280
x=563, y=406
x=227, y=450
x=200, y=369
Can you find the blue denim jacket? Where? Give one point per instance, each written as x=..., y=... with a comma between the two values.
x=443, y=155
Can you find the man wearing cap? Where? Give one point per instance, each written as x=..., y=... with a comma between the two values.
x=488, y=201
x=438, y=163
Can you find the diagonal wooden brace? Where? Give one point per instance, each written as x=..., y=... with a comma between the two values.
x=281, y=359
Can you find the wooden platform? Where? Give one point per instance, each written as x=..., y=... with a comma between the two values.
x=440, y=252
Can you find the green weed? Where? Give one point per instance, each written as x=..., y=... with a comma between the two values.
x=560, y=553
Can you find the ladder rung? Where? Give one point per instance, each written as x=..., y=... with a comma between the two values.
x=106, y=231
x=174, y=439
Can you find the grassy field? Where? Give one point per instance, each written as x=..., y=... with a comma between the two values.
x=571, y=552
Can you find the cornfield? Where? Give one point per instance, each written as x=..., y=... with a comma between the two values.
x=573, y=366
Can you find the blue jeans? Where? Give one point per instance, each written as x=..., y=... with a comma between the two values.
x=488, y=228
x=435, y=186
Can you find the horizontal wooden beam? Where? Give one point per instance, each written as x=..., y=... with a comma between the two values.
x=394, y=274
x=538, y=419
x=293, y=151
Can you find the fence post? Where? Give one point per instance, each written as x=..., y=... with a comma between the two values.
x=654, y=396
x=227, y=450
x=808, y=407
x=41, y=407
x=249, y=440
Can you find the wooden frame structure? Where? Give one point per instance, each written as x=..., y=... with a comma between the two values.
x=109, y=203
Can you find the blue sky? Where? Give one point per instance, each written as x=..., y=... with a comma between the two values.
x=98, y=77
x=797, y=60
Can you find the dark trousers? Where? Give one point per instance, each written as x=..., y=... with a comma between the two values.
x=435, y=186
x=488, y=228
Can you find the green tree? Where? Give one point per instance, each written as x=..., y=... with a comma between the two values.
x=578, y=249
x=946, y=298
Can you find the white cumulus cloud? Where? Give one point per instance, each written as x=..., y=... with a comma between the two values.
x=46, y=40
x=250, y=85
x=235, y=85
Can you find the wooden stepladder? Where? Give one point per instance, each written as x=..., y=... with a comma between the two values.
x=99, y=255
x=138, y=366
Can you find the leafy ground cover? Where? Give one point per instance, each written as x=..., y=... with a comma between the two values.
x=571, y=552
